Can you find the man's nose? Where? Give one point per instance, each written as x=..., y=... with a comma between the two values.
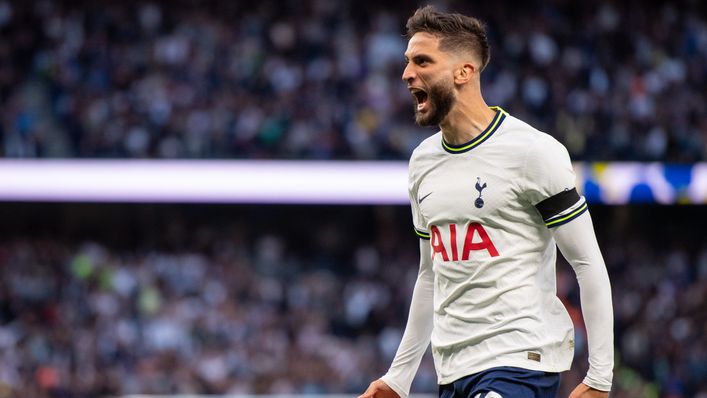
x=408, y=74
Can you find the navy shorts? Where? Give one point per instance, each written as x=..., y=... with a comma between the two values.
x=503, y=382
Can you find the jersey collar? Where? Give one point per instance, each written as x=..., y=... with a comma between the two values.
x=476, y=141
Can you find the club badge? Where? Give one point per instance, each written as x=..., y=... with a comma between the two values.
x=479, y=203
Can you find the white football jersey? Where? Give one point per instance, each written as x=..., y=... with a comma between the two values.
x=487, y=208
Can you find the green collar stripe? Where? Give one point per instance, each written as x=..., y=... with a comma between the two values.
x=497, y=120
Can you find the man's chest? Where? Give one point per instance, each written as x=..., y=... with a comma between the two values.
x=473, y=190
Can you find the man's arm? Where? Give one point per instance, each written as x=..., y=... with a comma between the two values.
x=579, y=246
x=415, y=339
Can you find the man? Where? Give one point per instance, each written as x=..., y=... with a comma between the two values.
x=491, y=198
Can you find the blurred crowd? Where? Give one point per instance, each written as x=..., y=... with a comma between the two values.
x=241, y=310
x=320, y=79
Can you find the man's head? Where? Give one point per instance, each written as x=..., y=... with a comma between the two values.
x=445, y=52
x=457, y=33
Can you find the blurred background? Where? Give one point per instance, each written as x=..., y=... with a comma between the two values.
x=114, y=298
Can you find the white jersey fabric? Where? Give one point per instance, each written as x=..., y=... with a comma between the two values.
x=489, y=209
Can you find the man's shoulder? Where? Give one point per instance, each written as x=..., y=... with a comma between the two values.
x=429, y=146
x=523, y=135
x=424, y=155
x=518, y=130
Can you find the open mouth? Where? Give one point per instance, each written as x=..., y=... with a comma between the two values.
x=420, y=97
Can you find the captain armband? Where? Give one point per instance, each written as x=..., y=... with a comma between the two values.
x=561, y=208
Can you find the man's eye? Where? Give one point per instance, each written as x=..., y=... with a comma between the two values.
x=422, y=61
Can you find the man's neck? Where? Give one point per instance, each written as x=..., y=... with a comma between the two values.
x=466, y=121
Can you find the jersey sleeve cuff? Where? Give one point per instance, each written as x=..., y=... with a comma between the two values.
x=387, y=379
x=422, y=234
x=597, y=385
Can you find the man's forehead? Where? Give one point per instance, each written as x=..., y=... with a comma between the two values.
x=422, y=42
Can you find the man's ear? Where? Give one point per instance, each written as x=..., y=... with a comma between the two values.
x=464, y=73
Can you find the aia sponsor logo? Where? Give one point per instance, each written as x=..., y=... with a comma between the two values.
x=475, y=239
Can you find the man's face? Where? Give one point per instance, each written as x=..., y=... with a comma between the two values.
x=429, y=78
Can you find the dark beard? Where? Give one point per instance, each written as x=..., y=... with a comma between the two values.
x=441, y=98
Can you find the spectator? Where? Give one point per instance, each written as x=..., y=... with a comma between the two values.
x=320, y=80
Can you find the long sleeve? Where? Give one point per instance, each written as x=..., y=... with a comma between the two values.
x=579, y=246
x=417, y=331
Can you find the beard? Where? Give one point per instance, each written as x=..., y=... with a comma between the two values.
x=441, y=100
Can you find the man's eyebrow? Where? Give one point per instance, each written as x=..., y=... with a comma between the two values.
x=421, y=57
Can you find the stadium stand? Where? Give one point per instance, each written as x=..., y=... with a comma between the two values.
x=321, y=80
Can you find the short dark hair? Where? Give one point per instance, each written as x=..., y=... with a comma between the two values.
x=457, y=32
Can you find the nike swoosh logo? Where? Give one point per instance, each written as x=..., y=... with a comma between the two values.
x=424, y=197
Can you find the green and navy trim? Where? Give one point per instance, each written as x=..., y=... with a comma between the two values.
x=485, y=135
x=422, y=234
x=565, y=218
